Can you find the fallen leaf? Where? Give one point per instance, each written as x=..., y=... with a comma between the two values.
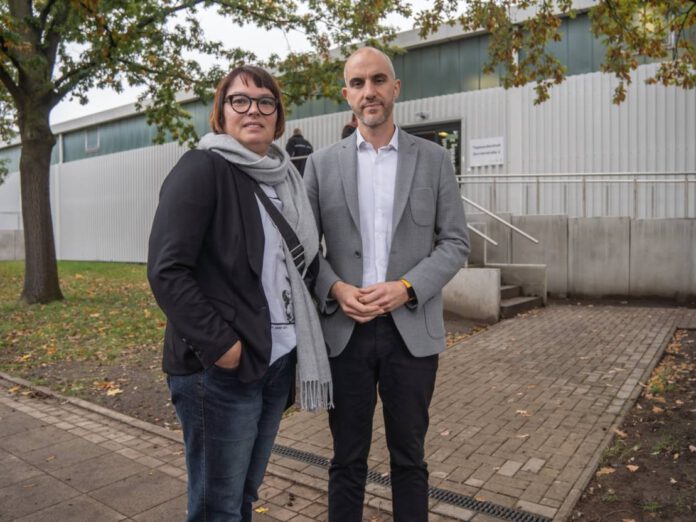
x=657, y=409
x=445, y=433
x=50, y=458
x=605, y=471
x=113, y=391
x=523, y=413
x=620, y=433
x=15, y=390
x=672, y=481
x=522, y=436
x=675, y=456
x=632, y=468
x=261, y=510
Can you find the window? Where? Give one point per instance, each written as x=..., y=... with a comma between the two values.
x=92, y=139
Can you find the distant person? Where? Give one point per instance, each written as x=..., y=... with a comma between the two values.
x=239, y=313
x=298, y=146
x=349, y=127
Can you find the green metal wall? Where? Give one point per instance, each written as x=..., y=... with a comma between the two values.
x=126, y=134
x=455, y=66
x=11, y=154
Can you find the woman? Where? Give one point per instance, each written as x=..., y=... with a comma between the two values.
x=235, y=302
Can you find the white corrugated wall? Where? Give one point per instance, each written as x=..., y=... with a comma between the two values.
x=579, y=130
x=103, y=206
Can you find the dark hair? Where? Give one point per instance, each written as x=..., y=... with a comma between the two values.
x=261, y=78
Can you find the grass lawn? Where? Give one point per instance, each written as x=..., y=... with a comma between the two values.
x=108, y=312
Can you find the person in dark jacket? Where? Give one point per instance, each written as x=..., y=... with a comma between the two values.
x=238, y=311
x=298, y=147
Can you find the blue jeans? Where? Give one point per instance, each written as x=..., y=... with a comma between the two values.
x=229, y=428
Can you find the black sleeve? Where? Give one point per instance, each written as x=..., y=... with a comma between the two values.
x=183, y=217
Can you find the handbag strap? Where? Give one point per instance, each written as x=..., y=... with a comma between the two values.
x=289, y=236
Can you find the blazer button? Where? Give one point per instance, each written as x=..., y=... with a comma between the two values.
x=358, y=254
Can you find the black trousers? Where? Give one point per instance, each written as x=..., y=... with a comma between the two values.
x=376, y=359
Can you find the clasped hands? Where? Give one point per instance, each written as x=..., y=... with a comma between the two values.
x=364, y=304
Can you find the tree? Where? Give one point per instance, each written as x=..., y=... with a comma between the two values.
x=656, y=30
x=53, y=49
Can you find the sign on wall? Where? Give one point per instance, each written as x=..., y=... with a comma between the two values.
x=486, y=151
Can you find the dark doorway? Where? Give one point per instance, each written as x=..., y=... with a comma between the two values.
x=446, y=134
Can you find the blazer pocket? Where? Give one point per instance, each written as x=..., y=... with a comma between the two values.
x=422, y=205
x=434, y=321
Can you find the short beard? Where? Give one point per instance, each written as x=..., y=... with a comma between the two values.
x=377, y=120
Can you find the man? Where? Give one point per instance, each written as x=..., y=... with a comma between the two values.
x=389, y=209
x=297, y=145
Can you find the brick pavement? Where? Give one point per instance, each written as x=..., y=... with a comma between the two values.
x=520, y=416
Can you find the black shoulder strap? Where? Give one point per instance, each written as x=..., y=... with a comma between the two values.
x=289, y=236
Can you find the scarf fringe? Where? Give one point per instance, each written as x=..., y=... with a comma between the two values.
x=315, y=395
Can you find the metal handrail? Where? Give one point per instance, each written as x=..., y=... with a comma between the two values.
x=464, y=177
x=482, y=235
x=585, y=181
x=501, y=220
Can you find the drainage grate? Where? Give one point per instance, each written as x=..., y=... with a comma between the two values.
x=443, y=495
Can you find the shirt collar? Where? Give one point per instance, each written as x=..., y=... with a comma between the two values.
x=393, y=143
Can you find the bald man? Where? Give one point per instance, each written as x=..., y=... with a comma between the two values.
x=387, y=205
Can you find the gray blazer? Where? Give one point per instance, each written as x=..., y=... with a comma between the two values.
x=430, y=242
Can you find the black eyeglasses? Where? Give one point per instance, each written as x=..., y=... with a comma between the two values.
x=241, y=103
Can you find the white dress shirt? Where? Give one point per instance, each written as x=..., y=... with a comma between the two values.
x=376, y=185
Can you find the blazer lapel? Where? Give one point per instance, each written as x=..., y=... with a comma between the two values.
x=348, y=167
x=405, y=169
x=251, y=221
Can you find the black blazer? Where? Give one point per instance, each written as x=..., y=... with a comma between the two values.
x=204, y=266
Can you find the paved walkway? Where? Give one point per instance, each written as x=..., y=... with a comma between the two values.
x=520, y=416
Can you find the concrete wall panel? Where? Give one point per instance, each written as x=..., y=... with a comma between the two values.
x=552, y=250
x=11, y=245
x=663, y=258
x=598, y=256
x=497, y=231
x=474, y=293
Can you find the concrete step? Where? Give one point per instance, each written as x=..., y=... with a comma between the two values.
x=516, y=305
x=510, y=291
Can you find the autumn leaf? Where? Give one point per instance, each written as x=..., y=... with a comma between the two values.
x=620, y=433
x=15, y=390
x=632, y=468
x=261, y=510
x=523, y=413
x=605, y=471
x=657, y=409
x=113, y=391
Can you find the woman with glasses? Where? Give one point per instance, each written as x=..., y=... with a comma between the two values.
x=239, y=313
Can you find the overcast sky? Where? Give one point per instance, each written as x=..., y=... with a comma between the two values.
x=261, y=42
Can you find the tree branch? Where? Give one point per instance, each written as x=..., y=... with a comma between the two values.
x=10, y=85
x=43, y=16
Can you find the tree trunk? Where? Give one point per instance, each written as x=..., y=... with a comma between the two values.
x=41, y=270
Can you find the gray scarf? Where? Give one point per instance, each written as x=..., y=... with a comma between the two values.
x=277, y=170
